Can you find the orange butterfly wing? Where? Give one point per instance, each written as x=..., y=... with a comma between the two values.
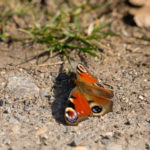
x=77, y=109
x=83, y=75
x=86, y=81
x=81, y=104
x=87, y=98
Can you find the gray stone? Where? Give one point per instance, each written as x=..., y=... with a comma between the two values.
x=6, y=141
x=43, y=93
x=26, y=108
x=22, y=87
x=8, y=109
x=20, y=117
x=13, y=121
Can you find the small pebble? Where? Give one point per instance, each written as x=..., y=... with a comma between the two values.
x=6, y=141
x=46, y=75
x=42, y=75
x=15, y=129
x=7, y=110
x=43, y=93
x=26, y=108
x=40, y=131
x=20, y=117
x=145, y=95
x=3, y=83
x=109, y=134
x=141, y=97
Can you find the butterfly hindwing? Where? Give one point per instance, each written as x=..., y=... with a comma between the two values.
x=77, y=108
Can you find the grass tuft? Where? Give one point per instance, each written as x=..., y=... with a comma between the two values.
x=66, y=30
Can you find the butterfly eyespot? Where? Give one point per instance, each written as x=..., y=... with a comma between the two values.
x=98, y=84
x=81, y=68
x=96, y=109
x=70, y=114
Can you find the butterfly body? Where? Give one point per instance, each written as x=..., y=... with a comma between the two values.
x=88, y=98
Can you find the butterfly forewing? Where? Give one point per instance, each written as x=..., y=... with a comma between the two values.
x=84, y=76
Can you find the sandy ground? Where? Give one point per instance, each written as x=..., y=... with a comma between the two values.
x=31, y=112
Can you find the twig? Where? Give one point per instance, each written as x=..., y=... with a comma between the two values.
x=50, y=64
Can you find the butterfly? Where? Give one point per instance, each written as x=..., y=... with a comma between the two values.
x=88, y=98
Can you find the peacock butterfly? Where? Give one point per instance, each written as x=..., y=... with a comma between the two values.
x=88, y=98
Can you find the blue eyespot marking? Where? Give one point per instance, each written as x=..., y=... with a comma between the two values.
x=96, y=109
x=71, y=115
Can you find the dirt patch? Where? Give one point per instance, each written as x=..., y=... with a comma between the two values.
x=36, y=122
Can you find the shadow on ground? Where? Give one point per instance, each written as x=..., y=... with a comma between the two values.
x=62, y=88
